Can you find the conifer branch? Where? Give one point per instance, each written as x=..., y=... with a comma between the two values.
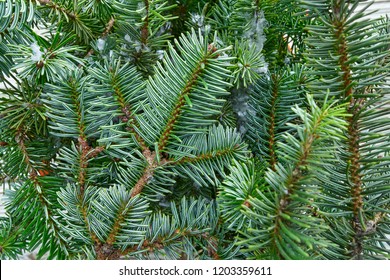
x=295, y=176
x=86, y=153
x=353, y=127
x=116, y=227
x=192, y=79
x=296, y=173
x=143, y=153
x=107, y=249
x=33, y=175
x=50, y=216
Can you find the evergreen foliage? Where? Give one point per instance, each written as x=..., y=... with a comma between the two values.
x=159, y=129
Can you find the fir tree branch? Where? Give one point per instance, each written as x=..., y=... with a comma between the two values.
x=186, y=92
x=107, y=249
x=56, y=229
x=10, y=235
x=191, y=81
x=245, y=180
x=296, y=173
x=353, y=127
x=350, y=64
x=202, y=157
x=113, y=216
x=87, y=26
x=294, y=177
x=290, y=232
x=117, y=226
x=126, y=89
x=167, y=232
x=270, y=103
x=86, y=153
x=230, y=146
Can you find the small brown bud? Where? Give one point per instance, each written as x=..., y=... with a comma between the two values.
x=3, y=144
x=39, y=64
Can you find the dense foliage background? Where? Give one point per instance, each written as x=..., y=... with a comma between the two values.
x=188, y=129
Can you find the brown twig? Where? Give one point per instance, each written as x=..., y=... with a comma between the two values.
x=3, y=144
x=109, y=27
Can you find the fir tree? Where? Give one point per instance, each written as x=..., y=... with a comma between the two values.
x=158, y=129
